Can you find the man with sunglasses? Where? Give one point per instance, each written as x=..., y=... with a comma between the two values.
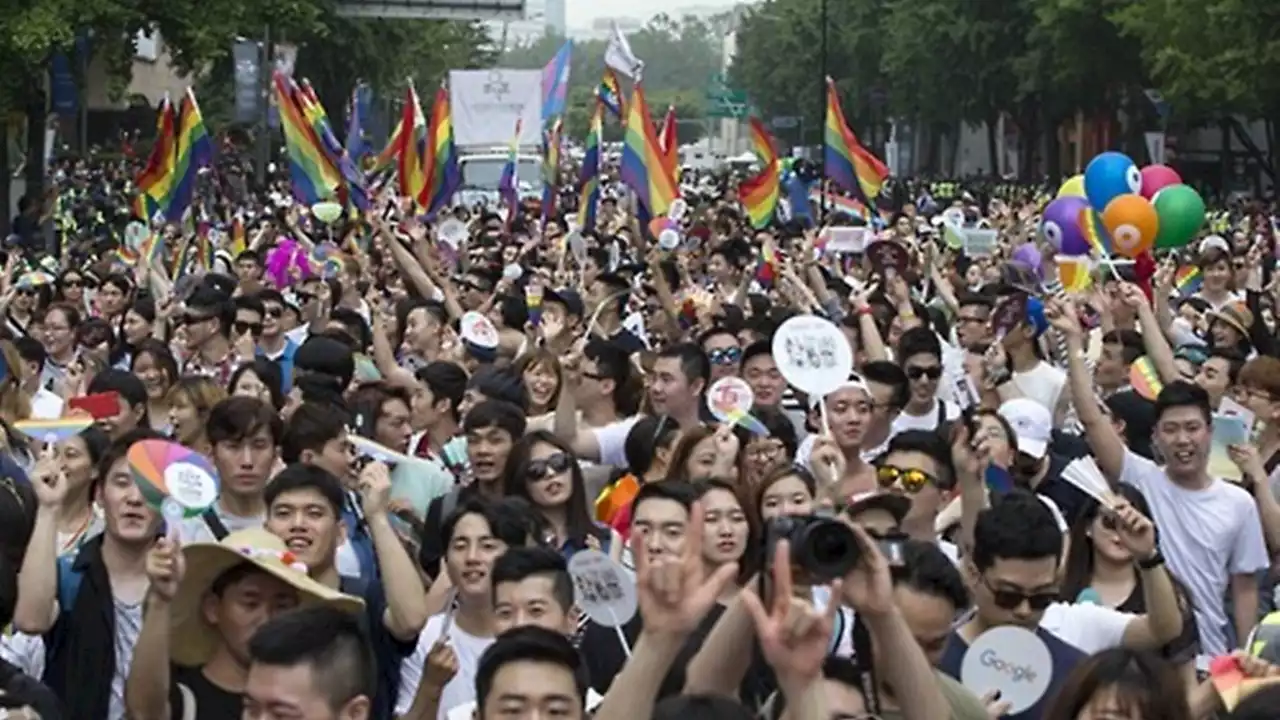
x=274, y=342
x=921, y=355
x=208, y=322
x=724, y=352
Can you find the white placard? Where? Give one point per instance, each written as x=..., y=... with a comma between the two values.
x=512, y=272
x=601, y=588
x=954, y=215
x=812, y=354
x=452, y=231
x=1013, y=661
x=979, y=242
x=191, y=486
x=730, y=398
x=846, y=239
x=486, y=105
x=478, y=330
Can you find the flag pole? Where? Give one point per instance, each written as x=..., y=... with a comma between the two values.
x=822, y=105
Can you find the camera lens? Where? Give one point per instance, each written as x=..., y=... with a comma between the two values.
x=826, y=549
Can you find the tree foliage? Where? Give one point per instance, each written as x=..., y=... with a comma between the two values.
x=1038, y=62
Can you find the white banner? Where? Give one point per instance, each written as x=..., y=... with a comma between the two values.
x=1155, y=147
x=487, y=103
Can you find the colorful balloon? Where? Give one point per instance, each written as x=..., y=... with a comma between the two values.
x=1181, y=213
x=1073, y=187
x=1156, y=178
x=1060, y=225
x=1109, y=175
x=1132, y=223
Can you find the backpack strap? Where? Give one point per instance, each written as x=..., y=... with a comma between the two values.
x=188, y=702
x=69, y=579
x=1272, y=462
x=215, y=524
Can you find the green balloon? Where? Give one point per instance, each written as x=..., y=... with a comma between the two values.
x=1181, y=213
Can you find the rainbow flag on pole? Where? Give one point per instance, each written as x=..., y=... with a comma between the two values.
x=609, y=93
x=412, y=151
x=760, y=193
x=509, y=183
x=852, y=166
x=194, y=151
x=318, y=119
x=589, y=180
x=312, y=176
x=154, y=181
x=667, y=137
x=645, y=168
x=441, y=160
x=550, y=168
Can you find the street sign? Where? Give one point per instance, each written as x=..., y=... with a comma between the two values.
x=785, y=122
x=728, y=104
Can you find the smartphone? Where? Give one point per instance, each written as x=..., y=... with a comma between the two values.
x=98, y=405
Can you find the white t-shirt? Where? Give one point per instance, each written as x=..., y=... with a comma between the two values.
x=461, y=690
x=1206, y=537
x=196, y=529
x=1090, y=628
x=928, y=421
x=1043, y=383
x=612, y=440
x=45, y=405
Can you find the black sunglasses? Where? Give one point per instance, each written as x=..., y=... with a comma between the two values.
x=72, y=283
x=917, y=372
x=539, y=470
x=725, y=356
x=274, y=312
x=246, y=327
x=1012, y=599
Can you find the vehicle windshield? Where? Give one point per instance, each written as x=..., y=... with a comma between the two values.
x=485, y=173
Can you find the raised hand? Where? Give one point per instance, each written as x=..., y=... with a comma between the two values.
x=675, y=593
x=794, y=636
x=868, y=588
x=375, y=489
x=1136, y=532
x=165, y=567
x=442, y=665
x=48, y=480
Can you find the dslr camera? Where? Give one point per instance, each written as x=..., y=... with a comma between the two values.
x=822, y=548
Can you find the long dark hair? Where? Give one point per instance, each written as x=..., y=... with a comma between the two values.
x=578, y=523
x=1079, y=565
x=1139, y=680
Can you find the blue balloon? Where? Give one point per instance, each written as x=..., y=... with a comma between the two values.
x=1108, y=176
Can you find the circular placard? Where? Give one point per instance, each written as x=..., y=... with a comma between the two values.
x=1011, y=660
x=602, y=589
x=812, y=354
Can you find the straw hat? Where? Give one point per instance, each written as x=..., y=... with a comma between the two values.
x=1235, y=314
x=193, y=639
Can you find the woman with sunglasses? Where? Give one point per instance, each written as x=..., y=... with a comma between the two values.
x=71, y=289
x=25, y=305
x=543, y=470
x=1100, y=569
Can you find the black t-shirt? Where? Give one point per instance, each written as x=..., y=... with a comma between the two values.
x=601, y=646
x=1181, y=649
x=211, y=701
x=1070, y=499
x=16, y=686
x=387, y=650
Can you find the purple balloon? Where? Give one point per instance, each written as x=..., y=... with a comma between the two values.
x=1028, y=256
x=1060, y=225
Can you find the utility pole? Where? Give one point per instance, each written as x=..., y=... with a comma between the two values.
x=268, y=67
x=822, y=104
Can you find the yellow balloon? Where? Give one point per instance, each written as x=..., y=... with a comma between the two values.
x=1073, y=187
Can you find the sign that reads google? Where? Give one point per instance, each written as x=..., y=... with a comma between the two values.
x=1010, y=660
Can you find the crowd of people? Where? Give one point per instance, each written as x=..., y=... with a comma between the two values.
x=417, y=431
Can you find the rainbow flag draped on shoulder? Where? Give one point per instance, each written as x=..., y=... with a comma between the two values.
x=852, y=166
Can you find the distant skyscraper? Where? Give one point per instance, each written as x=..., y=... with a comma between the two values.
x=558, y=16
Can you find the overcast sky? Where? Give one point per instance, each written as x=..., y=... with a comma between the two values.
x=582, y=12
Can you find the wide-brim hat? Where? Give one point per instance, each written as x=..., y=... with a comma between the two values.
x=194, y=640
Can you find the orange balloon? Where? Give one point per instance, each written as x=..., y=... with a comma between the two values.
x=1132, y=222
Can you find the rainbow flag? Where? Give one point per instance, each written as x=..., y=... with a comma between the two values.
x=1188, y=280
x=550, y=168
x=852, y=166
x=589, y=180
x=386, y=159
x=667, y=137
x=645, y=167
x=441, y=160
x=239, y=240
x=194, y=151
x=609, y=93
x=318, y=119
x=555, y=83
x=767, y=268
x=155, y=179
x=1144, y=379
x=411, y=169
x=509, y=183
x=312, y=177
x=760, y=194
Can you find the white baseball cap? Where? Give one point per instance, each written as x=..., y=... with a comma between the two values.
x=1032, y=424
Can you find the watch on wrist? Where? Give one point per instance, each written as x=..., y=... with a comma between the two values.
x=1152, y=561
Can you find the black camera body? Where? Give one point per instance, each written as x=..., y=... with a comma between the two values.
x=822, y=548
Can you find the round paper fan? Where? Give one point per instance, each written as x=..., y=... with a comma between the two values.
x=165, y=470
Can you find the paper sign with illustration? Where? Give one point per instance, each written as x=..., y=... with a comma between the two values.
x=812, y=354
x=602, y=589
x=1228, y=430
x=1008, y=314
x=845, y=239
x=978, y=242
x=478, y=330
x=1012, y=661
x=175, y=480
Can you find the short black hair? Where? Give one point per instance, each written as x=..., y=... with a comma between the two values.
x=759, y=347
x=505, y=523
x=519, y=563
x=927, y=442
x=325, y=356
x=889, y=373
x=693, y=361
x=446, y=381
x=501, y=384
x=1130, y=342
x=919, y=340
x=331, y=642
x=310, y=426
x=530, y=644
x=118, y=450
x=123, y=382
x=496, y=414
x=268, y=371
x=925, y=568
x=685, y=493
x=302, y=476
x=238, y=418
x=31, y=350
x=645, y=438
x=1017, y=526
x=703, y=707
x=1181, y=393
